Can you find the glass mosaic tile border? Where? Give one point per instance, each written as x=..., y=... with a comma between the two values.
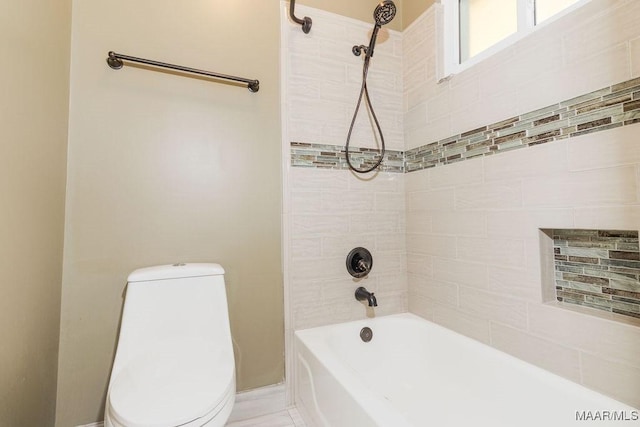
x=598, y=269
x=607, y=108
x=304, y=154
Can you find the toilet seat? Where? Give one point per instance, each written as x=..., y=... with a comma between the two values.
x=179, y=383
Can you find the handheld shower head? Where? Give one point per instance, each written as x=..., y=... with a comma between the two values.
x=382, y=15
x=384, y=12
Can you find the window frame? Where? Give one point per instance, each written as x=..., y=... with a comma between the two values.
x=451, y=27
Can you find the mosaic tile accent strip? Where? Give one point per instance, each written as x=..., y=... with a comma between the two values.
x=325, y=156
x=608, y=108
x=598, y=269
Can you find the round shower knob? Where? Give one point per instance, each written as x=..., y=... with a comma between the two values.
x=359, y=262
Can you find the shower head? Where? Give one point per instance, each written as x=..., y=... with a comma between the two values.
x=382, y=15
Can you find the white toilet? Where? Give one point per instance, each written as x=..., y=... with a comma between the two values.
x=174, y=365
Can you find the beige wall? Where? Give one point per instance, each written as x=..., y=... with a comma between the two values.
x=356, y=9
x=34, y=83
x=165, y=168
x=408, y=10
x=412, y=9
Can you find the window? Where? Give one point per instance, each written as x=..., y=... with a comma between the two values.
x=477, y=28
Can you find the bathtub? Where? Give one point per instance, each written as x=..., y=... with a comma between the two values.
x=416, y=373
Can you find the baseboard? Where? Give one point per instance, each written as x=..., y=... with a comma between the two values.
x=249, y=404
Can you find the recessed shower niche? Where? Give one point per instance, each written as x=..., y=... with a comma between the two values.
x=599, y=269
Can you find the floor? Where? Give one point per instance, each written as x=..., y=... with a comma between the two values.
x=264, y=407
x=285, y=418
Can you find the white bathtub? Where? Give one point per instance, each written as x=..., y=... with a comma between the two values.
x=416, y=373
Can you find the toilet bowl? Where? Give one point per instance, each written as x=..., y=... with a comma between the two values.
x=174, y=364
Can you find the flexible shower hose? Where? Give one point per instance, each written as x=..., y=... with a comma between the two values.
x=365, y=92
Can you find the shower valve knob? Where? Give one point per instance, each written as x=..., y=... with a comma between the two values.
x=359, y=262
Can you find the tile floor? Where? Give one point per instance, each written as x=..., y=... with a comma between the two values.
x=285, y=418
x=264, y=407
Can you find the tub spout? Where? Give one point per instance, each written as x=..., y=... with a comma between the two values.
x=362, y=294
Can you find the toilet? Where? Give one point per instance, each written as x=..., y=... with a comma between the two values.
x=174, y=364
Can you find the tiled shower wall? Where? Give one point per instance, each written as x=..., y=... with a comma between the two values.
x=328, y=212
x=473, y=239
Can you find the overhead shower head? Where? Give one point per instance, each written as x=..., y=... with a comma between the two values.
x=384, y=12
x=382, y=15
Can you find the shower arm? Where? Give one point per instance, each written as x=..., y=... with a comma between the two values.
x=305, y=22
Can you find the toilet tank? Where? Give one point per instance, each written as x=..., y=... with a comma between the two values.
x=172, y=307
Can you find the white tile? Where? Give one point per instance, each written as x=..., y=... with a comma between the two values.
x=462, y=323
x=421, y=265
x=390, y=242
x=417, y=181
x=337, y=246
x=614, y=147
x=438, y=128
x=389, y=201
x=347, y=202
x=517, y=283
x=378, y=223
x=319, y=225
x=458, y=223
x=296, y=417
x=471, y=274
x=464, y=92
x=258, y=402
x=610, y=66
x=430, y=200
x=486, y=110
x=306, y=202
x=327, y=70
x=495, y=195
x=456, y=174
x=305, y=247
x=635, y=57
x=534, y=161
x=493, y=307
x=418, y=222
x=492, y=251
x=614, y=379
x=321, y=267
x=608, y=217
x=548, y=355
x=416, y=117
x=317, y=179
x=439, y=106
x=593, y=187
x=431, y=245
x=440, y=292
x=593, y=35
x=381, y=181
x=388, y=262
x=525, y=223
x=601, y=337
x=279, y=419
x=421, y=306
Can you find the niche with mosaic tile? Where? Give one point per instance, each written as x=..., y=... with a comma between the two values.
x=599, y=269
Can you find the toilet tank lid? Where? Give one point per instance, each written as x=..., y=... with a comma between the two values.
x=175, y=271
